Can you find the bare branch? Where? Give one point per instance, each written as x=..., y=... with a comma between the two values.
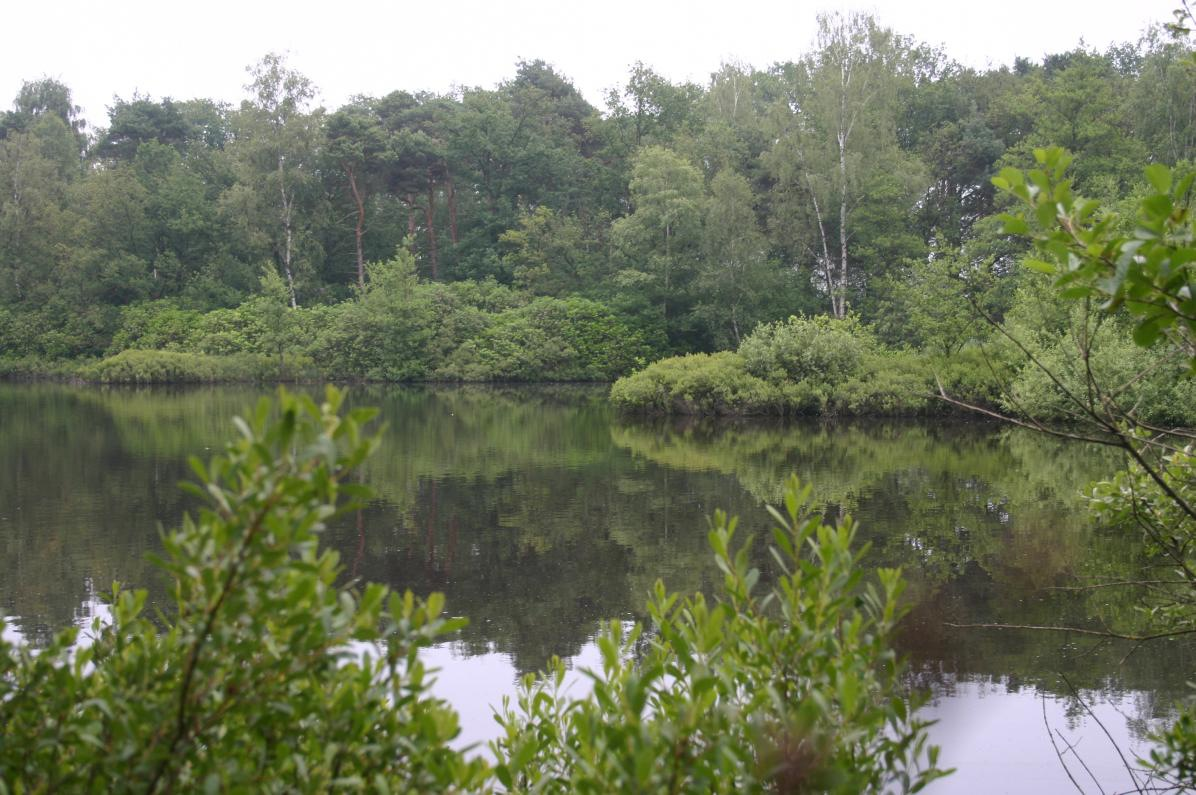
x=1099, y=633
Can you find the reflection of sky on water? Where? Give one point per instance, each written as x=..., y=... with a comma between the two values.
x=476, y=685
x=996, y=739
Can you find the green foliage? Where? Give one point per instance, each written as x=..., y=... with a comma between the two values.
x=383, y=333
x=174, y=367
x=1148, y=272
x=1151, y=383
x=157, y=325
x=887, y=382
x=974, y=374
x=723, y=695
x=549, y=254
x=1146, y=277
x=798, y=349
x=660, y=240
x=734, y=280
x=699, y=383
x=800, y=366
x=930, y=304
x=548, y=340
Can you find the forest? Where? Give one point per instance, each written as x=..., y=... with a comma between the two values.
x=520, y=233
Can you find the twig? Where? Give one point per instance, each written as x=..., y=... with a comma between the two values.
x=1076, y=630
x=1116, y=584
x=1128, y=768
x=1071, y=748
x=1058, y=753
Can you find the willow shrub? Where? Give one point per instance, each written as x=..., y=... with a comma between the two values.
x=269, y=674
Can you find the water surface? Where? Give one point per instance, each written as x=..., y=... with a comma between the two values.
x=540, y=513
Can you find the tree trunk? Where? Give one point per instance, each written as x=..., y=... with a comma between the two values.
x=430, y=219
x=359, y=230
x=828, y=263
x=452, y=206
x=841, y=305
x=288, y=233
x=668, y=264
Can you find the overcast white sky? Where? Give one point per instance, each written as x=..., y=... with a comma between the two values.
x=165, y=48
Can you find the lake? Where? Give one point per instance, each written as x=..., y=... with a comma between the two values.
x=540, y=513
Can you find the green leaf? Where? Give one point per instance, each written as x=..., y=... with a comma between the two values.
x=1160, y=177
x=1039, y=266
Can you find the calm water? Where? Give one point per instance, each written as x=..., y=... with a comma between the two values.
x=539, y=513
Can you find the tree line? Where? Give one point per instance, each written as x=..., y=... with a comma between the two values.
x=851, y=180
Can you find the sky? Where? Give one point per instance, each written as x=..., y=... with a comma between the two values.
x=371, y=47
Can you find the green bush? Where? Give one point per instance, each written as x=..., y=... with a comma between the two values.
x=549, y=339
x=36, y=367
x=820, y=349
x=173, y=367
x=382, y=333
x=892, y=382
x=789, y=689
x=222, y=332
x=155, y=325
x=1151, y=383
x=699, y=383
x=800, y=366
x=269, y=675
x=973, y=374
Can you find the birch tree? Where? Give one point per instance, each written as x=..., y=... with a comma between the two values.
x=278, y=144
x=835, y=132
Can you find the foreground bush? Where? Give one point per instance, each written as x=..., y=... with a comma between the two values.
x=269, y=676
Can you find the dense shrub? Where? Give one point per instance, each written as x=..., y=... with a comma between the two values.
x=19, y=368
x=549, y=339
x=888, y=382
x=255, y=685
x=973, y=374
x=789, y=690
x=1149, y=382
x=155, y=325
x=174, y=367
x=799, y=366
x=399, y=329
x=820, y=349
x=700, y=383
